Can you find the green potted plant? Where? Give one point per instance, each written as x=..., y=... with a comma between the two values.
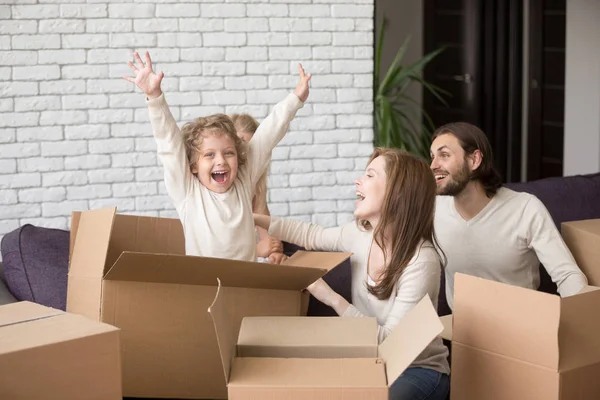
x=400, y=121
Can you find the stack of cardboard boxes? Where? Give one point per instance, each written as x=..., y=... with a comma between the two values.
x=49, y=354
x=316, y=357
x=137, y=325
x=132, y=272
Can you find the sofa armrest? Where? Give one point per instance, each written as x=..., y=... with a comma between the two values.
x=6, y=297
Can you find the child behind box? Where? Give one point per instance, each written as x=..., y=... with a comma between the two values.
x=209, y=173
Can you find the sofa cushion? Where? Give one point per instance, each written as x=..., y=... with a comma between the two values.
x=36, y=264
x=570, y=198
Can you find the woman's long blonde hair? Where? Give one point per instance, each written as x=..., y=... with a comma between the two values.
x=406, y=216
x=247, y=123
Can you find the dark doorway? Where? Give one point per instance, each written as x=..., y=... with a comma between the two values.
x=546, y=108
x=481, y=68
x=455, y=25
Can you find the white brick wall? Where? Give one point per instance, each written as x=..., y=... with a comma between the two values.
x=74, y=135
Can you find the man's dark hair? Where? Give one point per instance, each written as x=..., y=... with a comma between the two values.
x=472, y=138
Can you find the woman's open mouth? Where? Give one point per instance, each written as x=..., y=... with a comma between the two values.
x=360, y=196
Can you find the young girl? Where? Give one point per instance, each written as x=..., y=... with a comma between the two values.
x=267, y=247
x=395, y=263
x=208, y=174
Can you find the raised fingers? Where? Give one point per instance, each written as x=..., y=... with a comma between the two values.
x=138, y=60
x=304, y=77
x=148, y=60
x=133, y=68
x=301, y=71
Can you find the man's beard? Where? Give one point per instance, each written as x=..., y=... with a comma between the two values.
x=457, y=183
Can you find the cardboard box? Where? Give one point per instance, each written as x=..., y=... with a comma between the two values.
x=316, y=357
x=46, y=353
x=132, y=272
x=515, y=343
x=583, y=239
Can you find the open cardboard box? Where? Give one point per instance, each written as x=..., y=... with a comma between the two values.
x=46, y=353
x=583, y=239
x=316, y=357
x=132, y=272
x=514, y=343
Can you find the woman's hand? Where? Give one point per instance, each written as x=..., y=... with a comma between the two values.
x=326, y=295
x=263, y=221
x=321, y=291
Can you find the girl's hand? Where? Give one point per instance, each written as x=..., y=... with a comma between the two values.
x=146, y=79
x=267, y=246
x=302, y=89
x=277, y=258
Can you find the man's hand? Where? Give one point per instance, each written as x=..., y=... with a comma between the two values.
x=267, y=246
x=145, y=78
x=302, y=89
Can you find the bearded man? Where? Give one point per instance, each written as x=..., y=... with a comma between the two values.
x=487, y=230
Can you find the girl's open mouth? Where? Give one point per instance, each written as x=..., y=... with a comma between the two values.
x=220, y=177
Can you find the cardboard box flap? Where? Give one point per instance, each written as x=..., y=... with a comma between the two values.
x=314, y=259
x=142, y=234
x=505, y=311
x=134, y=233
x=583, y=240
x=191, y=270
x=25, y=311
x=75, y=217
x=579, y=331
x=308, y=336
x=224, y=332
x=91, y=243
x=409, y=338
x=310, y=375
x=446, y=320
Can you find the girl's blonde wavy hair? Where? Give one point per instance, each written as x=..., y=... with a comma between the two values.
x=195, y=131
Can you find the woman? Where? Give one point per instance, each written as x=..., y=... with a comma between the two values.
x=395, y=263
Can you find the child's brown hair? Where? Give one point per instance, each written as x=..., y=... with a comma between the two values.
x=217, y=124
x=247, y=123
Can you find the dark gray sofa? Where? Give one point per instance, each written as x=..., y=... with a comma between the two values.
x=567, y=199
x=6, y=297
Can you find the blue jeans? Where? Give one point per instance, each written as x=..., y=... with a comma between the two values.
x=420, y=384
